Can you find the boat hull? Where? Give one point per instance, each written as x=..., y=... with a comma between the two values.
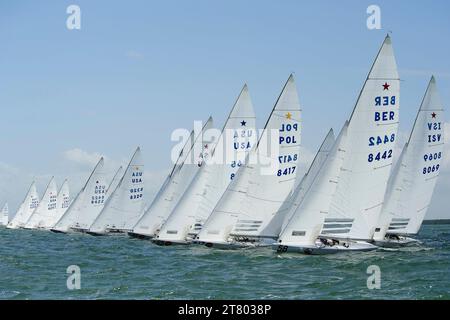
x=139, y=236
x=321, y=249
x=402, y=241
x=166, y=243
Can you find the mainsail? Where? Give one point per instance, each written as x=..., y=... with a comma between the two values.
x=46, y=207
x=26, y=209
x=175, y=185
x=284, y=214
x=258, y=191
x=62, y=203
x=371, y=135
x=416, y=172
x=4, y=215
x=87, y=204
x=124, y=206
x=229, y=154
x=309, y=211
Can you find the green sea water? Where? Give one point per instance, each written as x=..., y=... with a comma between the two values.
x=33, y=265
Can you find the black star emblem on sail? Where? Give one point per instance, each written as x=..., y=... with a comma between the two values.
x=433, y=115
x=243, y=123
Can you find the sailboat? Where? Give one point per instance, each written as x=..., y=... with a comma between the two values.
x=125, y=205
x=254, y=197
x=62, y=203
x=26, y=209
x=414, y=176
x=208, y=185
x=46, y=207
x=87, y=204
x=308, y=212
x=371, y=135
x=284, y=214
x=4, y=215
x=174, y=186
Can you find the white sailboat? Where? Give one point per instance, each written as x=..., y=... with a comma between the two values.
x=87, y=204
x=282, y=218
x=415, y=174
x=46, y=207
x=309, y=212
x=26, y=209
x=208, y=185
x=371, y=135
x=125, y=205
x=175, y=185
x=4, y=215
x=257, y=193
x=62, y=203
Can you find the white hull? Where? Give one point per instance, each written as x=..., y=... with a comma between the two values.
x=396, y=242
x=320, y=248
x=234, y=244
x=163, y=242
x=140, y=236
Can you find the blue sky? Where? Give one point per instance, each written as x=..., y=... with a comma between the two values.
x=137, y=70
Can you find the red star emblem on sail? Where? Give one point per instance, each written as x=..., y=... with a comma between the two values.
x=386, y=86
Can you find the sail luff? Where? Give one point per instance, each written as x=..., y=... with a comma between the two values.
x=211, y=180
x=172, y=189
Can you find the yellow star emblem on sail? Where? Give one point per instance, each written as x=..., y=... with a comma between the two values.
x=288, y=115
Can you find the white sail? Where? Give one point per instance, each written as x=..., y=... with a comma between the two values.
x=26, y=209
x=256, y=194
x=114, y=182
x=46, y=207
x=124, y=206
x=62, y=203
x=284, y=214
x=309, y=210
x=212, y=179
x=174, y=186
x=415, y=175
x=4, y=215
x=87, y=204
x=371, y=135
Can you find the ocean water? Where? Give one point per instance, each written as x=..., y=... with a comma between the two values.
x=33, y=265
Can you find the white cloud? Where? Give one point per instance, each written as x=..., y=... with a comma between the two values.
x=134, y=55
x=82, y=157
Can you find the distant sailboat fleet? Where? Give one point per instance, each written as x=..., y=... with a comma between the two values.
x=350, y=199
